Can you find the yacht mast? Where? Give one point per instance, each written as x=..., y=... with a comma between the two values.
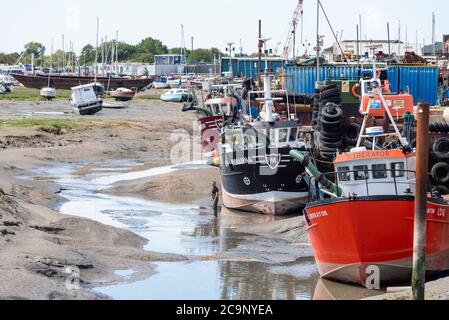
x=96, y=51
x=116, y=55
x=51, y=65
x=268, y=99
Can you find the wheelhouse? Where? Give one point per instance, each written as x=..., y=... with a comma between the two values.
x=376, y=173
x=284, y=134
x=218, y=107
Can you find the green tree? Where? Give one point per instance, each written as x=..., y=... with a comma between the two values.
x=35, y=48
x=87, y=55
x=150, y=47
x=9, y=58
x=180, y=51
x=126, y=52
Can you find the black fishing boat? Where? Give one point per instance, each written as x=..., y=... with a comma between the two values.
x=257, y=172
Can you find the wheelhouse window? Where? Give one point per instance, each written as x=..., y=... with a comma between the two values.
x=283, y=136
x=344, y=174
x=361, y=173
x=293, y=135
x=398, y=170
x=226, y=108
x=380, y=171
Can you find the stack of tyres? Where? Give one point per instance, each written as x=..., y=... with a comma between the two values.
x=331, y=126
x=316, y=109
x=324, y=94
x=439, y=127
x=440, y=166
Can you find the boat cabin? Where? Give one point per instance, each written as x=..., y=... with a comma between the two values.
x=398, y=104
x=220, y=106
x=376, y=173
x=261, y=135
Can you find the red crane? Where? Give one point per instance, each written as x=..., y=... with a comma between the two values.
x=290, y=44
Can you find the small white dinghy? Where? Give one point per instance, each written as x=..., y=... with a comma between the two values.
x=48, y=93
x=116, y=104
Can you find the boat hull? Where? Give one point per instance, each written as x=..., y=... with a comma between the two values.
x=250, y=184
x=269, y=203
x=123, y=96
x=355, y=239
x=68, y=82
x=210, y=132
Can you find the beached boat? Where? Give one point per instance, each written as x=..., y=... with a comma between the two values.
x=162, y=82
x=48, y=93
x=123, y=94
x=85, y=101
x=177, y=95
x=257, y=172
x=364, y=223
x=68, y=82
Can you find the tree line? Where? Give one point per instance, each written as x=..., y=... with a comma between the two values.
x=144, y=52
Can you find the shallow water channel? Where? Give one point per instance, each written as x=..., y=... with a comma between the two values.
x=223, y=264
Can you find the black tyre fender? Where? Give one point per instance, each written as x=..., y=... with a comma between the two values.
x=332, y=112
x=332, y=132
x=443, y=190
x=330, y=124
x=333, y=146
x=440, y=173
x=335, y=99
x=324, y=149
x=441, y=148
x=328, y=87
x=351, y=134
x=432, y=127
x=330, y=93
x=445, y=127
x=330, y=139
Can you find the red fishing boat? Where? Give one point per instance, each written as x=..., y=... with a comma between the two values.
x=210, y=117
x=211, y=122
x=123, y=94
x=371, y=224
x=364, y=225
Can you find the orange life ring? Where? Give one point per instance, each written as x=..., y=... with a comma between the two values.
x=354, y=91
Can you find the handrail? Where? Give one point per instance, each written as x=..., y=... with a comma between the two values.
x=369, y=182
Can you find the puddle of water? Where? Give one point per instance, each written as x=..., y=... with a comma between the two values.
x=111, y=179
x=125, y=273
x=212, y=280
x=249, y=267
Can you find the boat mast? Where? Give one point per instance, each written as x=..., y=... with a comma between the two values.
x=116, y=55
x=51, y=65
x=268, y=99
x=63, y=55
x=96, y=51
x=318, y=49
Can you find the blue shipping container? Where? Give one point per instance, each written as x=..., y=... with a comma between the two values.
x=421, y=82
x=301, y=80
x=249, y=67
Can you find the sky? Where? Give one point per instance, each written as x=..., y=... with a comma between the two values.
x=212, y=23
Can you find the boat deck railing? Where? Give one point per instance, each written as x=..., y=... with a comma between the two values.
x=401, y=180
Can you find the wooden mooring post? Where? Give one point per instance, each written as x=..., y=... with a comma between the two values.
x=422, y=178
